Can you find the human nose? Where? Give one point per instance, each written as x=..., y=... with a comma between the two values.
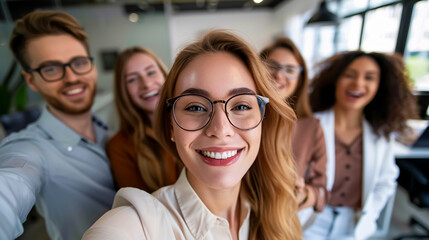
x=69, y=75
x=145, y=83
x=280, y=78
x=359, y=80
x=219, y=126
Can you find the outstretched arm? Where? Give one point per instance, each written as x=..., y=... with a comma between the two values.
x=20, y=182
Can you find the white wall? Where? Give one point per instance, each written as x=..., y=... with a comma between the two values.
x=256, y=27
x=108, y=28
x=292, y=15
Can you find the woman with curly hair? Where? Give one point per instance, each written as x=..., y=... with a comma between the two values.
x=222, y=118
x=136, y=157
x=290, y=76
x=361, y=99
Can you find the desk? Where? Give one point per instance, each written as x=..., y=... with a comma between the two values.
x=404, y=152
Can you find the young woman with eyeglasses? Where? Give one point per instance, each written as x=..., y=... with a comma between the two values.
x=136, y=157
x=361, y=99
x=289, y=74
x=221, y=118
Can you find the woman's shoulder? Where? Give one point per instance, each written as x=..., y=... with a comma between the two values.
x=119, y=142
x=323, y=113
x=119, y=137
x=135, y=214
x=308, y=121
x=308, y=124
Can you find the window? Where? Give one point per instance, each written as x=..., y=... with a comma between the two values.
x=348, y=7
x=417, y=48
x=319, y=43
x=377, y=3
x=349, y=34
x=381, y=29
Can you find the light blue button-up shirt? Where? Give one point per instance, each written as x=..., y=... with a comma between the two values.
x=65, y=175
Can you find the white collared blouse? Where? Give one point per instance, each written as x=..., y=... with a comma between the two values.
x=172, y=212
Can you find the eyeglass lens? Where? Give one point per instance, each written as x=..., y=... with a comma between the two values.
x=55, y=71
x=290, y=71
x=193, y=112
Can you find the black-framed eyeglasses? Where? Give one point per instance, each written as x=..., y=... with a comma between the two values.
x=192, y=112
x=289, y=71
x=55, y=71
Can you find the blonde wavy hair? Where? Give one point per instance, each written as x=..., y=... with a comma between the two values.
x=134, y=122
x=269, y=183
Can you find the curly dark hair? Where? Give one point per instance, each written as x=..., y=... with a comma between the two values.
x=393, y=103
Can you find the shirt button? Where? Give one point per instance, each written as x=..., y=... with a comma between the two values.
x=348, y=166
x=348, y=152
x=347, y=178
x=342, y=194
x=69, y=148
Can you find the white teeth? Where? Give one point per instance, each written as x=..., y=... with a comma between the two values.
x=74, y=91
x=355, y=93
x=219, y=155
x=151, y=94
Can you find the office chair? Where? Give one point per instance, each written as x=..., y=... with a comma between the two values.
x=415, y=179
x=16, y=121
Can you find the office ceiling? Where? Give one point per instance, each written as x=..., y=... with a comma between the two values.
x=18, y=8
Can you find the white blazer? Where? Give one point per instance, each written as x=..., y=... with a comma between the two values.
x=379, y=172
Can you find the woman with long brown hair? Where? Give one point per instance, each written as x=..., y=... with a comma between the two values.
x=361, y=99
x=222, y=118
x=289, y=74
x=137, y=159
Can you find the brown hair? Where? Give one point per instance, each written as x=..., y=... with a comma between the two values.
x=42, y=23
x=299, y=98
x=134, y=123
x=269, y=183
x=393, y=103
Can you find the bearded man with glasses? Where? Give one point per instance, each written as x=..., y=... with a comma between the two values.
x=58, y=163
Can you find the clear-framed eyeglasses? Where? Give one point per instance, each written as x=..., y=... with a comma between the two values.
x=55, y=71
x=290, y=71
x=192, y=112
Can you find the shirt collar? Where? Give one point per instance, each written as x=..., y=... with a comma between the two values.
x=197, y=216
x=59, y=131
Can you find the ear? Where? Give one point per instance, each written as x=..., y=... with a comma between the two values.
x=172, y=133
x=30, y=80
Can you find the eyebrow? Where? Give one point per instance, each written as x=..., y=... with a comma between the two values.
x=236, y=91
x=205, y=93
x=49, y=62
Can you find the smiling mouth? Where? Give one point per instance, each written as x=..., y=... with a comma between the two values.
x=151, y=94
x=219, y=155
x=355, y=94
x=224, y=158
x=74, y=91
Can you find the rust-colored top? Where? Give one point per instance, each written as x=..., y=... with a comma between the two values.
x=125, y=169
x=347, y=189
x=309, y=149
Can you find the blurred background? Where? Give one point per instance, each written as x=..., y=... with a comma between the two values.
x=166, y=26
x=319, y=29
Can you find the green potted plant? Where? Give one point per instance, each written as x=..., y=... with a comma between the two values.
x=13, y=92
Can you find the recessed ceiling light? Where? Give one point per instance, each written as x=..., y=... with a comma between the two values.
x=133, y=17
